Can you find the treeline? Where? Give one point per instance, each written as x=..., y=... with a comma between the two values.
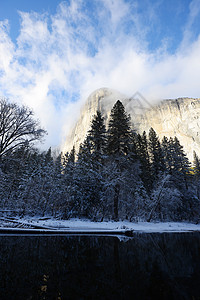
x=117, y=174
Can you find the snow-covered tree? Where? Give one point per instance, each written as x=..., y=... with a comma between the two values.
x=118, y=147
x=97, y=137
x=119, y=130
x=156, y=154
x=168, y=153
x=196, y=169
x=181, y=165
x=143, y=156
x=196, y=164
x=165, y=203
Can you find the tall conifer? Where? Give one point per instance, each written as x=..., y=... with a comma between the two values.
x=118, y=146
x=143, y=156
x=156, y=154
x=97, y=137
x=119, y=130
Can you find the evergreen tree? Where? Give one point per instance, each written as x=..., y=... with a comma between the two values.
x=5, y=189
x=156, y=154
x=196, y=164
x=119, y=130
x=14, y=166
x=143, y=156
x=181, y=175
x=48, y=156
x=68, y=170
x=85, y=150
x=97, y=136
x=86, y=189
x=118, y=146
x=71, y=158
x=181, y=167
x=59, y=204
x=168, y=153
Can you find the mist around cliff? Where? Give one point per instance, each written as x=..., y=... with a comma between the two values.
x=57, y=60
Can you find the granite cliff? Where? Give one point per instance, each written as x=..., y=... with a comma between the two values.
x=174, y=117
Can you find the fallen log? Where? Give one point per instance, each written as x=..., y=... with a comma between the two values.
x=33, y=226
x=128, y=233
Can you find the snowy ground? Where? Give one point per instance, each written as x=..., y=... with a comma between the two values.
x=86, y=225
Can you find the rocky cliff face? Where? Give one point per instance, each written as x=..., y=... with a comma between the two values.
x=179, y=117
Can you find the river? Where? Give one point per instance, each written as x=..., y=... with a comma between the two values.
x=147, y=266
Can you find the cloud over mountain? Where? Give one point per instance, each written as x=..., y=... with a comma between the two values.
x=58, y=60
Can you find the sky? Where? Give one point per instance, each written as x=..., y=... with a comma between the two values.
x=54, y=54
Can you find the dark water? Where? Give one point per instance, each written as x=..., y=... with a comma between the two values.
x=149, y=266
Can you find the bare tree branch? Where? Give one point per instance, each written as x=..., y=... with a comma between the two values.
x=17, y=127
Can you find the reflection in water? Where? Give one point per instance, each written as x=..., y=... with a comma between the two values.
x=149, y=266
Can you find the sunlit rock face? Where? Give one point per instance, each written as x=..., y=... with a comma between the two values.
x=178, y=117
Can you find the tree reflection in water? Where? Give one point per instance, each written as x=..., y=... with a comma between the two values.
x=148, y=266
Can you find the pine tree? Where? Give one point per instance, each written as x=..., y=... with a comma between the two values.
x=85, y=150
x=28, y=195
x=156, y=154
x=168, y=150
x=176, y=161
x=97, y=136
x=5, y=188
x=143, y=156
x=48, y=156
x=118, y=147
x=181, y=175
x=196, y=164
x=59, y=200
x=119, y=130
x=68, y=170
x=181, y=167
x=71, y=158
x=86, y=189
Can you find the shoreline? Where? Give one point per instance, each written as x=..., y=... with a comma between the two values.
x=36, y=225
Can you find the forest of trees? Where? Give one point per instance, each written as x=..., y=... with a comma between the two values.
x=116, y=174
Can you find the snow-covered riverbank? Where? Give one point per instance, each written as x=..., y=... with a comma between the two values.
x=78, y=225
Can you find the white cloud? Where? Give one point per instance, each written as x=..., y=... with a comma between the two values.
x=6, y=47
x=62, y=58
x=117, y=9
x=194, y=11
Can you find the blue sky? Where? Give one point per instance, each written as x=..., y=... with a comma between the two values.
x=53, y=54
x=9, y=10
